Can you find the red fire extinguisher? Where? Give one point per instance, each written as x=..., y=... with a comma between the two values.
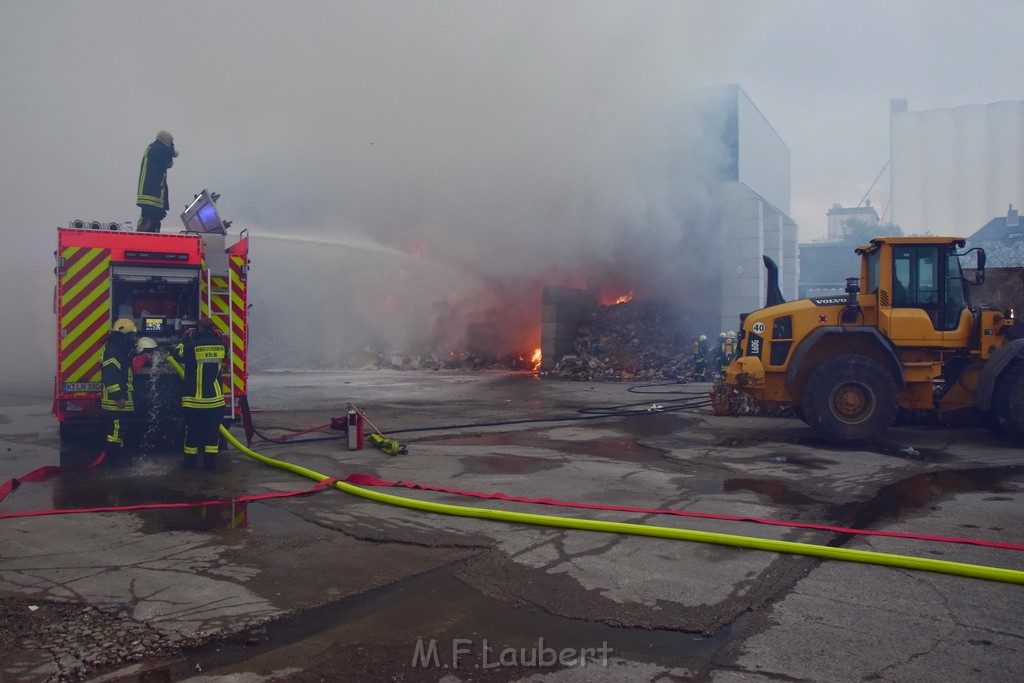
x=355, y=430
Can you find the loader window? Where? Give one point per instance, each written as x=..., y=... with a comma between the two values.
x=922, y=279
x=956, y=291
x=872, y=284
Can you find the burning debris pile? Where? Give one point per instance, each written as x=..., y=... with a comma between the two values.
x=371, y=359
x=632, y=340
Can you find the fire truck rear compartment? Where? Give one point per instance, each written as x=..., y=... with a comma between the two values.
x=165, y=301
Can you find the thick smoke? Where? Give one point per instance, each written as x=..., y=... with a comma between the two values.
x=457, y=262
x=412, y=174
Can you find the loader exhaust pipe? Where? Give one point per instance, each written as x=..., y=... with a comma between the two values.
x=852, y=310
x=773, y=297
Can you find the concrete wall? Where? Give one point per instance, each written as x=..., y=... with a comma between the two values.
x=753, y=152
x=562, y=308
x=764, y=159
x=752, y=227
x=790, y=275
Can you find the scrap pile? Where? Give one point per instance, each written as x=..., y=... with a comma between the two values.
x=633, y=340
x=726, y=400
x=371, y=359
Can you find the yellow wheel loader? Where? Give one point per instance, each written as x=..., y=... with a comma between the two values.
x=905, y=336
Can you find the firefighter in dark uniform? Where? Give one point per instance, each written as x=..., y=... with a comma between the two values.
x=117, y=376
x=700, y=358
x=727, y=349
x=201, y=354
x=152, y=194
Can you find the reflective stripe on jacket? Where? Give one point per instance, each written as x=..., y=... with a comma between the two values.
x=202, y=358
x=116, y=374
x=153, y=176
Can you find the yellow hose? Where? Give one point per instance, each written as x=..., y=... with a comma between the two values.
x=789, y=547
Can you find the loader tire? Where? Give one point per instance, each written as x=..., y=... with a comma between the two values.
x=1007, y=413
x=850, y=399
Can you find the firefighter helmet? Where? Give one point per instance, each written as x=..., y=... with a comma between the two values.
x=730, y=334
x=145, y=344
x=721, y=335
x=125, y=325
x=703, y=337
x=167, y=139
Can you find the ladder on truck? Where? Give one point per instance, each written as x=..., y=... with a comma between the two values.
x=218, y=266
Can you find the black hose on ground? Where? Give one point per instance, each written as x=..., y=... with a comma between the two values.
x=692, y=401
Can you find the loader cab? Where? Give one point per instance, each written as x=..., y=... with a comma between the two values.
x=922, y=293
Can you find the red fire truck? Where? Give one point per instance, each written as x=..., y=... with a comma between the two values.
x=164, y=282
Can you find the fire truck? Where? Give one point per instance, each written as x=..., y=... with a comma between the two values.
x=165, y=283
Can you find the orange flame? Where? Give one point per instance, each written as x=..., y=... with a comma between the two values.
x=628, y=296
x=536, y=359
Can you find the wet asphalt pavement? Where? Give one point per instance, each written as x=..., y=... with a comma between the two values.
x=330, y=586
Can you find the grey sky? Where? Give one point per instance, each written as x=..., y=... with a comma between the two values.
x=478, y=133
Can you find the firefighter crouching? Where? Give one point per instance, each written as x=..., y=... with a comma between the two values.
x=201, y=354
x=117, y=376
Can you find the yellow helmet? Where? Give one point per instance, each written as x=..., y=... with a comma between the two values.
x=124, y=325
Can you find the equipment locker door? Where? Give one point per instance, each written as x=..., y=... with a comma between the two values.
x=83, y=320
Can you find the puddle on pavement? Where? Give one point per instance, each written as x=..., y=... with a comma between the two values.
x=623, y=449
x=815, y=442
x=777, y=491
x=891, y=501
x=799, y=461
x=748, y=441
x=910, y=453
x=436, y=605
x=153, y=479
x=909, y=495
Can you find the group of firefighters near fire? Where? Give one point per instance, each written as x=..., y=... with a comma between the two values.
x=718, y=357
x=201, y=351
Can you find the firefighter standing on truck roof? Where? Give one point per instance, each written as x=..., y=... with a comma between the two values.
x=117, y=375
x=201, y=354
x=152, y=194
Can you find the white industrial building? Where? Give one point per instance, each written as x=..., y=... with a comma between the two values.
x=754, y=205
x=955, y=168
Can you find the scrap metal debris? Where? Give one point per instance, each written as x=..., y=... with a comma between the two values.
x=633, y=340
x=727, y=400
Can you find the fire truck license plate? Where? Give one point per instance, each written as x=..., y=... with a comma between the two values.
x=81, y=387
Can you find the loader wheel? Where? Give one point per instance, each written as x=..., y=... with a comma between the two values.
x=1007, y=413
x=850, y=399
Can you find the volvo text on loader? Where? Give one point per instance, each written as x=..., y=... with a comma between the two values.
x=905, y=336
